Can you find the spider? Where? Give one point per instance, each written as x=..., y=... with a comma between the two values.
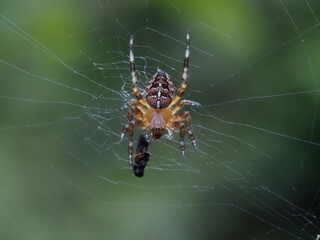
x=158, y=111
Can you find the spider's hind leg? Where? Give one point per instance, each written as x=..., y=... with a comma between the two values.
x=170, y=134
x=131, y=125
x=186, y=115
x=182, y=127
x=134, y=110
x=128, y=128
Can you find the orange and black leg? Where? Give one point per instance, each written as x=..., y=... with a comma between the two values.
x=132, y=124
x=182, y=127
x=134, y=76
x=133, y=111
x=183, y=103
x=186, y=115
x=128, y=128
x=184, y=83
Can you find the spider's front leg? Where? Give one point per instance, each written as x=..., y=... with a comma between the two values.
x=184, y=82
x=134, y=76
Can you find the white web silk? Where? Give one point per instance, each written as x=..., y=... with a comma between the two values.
x=254, y=107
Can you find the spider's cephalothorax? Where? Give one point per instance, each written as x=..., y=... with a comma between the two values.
x=158, y=111
x=160, y=91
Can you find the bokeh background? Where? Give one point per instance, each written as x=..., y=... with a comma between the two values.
x=64, y=83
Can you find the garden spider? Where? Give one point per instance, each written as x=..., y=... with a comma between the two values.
x=158, y=110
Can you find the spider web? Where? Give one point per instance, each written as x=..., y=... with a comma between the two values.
x=65, y=82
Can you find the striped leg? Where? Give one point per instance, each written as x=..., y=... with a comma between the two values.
x=186, y=115
x=182, y=127
x=131, y=125
x=182, y=141
x=128, y=128
x=181, y=104
x=133, y=111
x=184, y=83
x=134, y=76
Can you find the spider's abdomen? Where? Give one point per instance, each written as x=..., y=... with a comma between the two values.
x=160, y=91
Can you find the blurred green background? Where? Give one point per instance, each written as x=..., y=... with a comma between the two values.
x=64, y=83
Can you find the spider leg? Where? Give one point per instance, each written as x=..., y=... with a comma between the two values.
x=132, y=124
x=170, y=134
x=184, y=83
x=134, y=76
x=181, y=104
x=133, y=111
x=182, y=128
x=139, y=106
x=186, y=115
x=128, y=128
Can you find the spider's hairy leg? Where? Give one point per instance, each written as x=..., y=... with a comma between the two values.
x=139, y=106
x=182, y=127
x=128, y=128
x=170, y=134
x=181, y=104
x=184, y=82
x=135, y=110
x=134, y=76
x=132, y=124
x=186, y=115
